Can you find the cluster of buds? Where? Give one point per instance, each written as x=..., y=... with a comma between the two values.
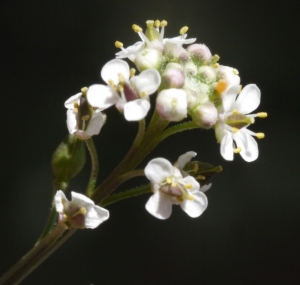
x=189, y=82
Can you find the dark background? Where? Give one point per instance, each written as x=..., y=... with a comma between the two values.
x=250, y=232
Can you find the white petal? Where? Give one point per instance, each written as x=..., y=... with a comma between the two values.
x=130, y=51
x=228, y=98
x=111, y=70
x=248, y=100
x=72, y=121
x=95, y=216
x=81, y=200
x=248, y=145
x=191, y=181
x=194, y=208
x=148, y=81
x=73, y=99
x=185, y=158
x=136, y=110
x=95, y=124
x=180, y=40
x=58, y=199
x=205, y=187
x=159, y=206
x=227, y=146
x=101, y=96
x=158, y=170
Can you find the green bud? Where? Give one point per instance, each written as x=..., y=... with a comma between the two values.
x=68, y=160
x=201, y=171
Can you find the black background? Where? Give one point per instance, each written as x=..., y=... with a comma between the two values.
x=250, y=232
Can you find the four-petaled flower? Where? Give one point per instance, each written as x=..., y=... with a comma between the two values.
x=234, y=118
x=134, y=92
x=170, y=187
x=80, y=213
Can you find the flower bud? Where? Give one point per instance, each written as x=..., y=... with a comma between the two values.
x=205, y=115
x=148, y=58
x=200, y=53
x=178, y=54
x=207, y=74
x=171, y=104
x=173, y=77
x=190, y=69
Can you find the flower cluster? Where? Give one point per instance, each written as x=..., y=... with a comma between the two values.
x=189, y=82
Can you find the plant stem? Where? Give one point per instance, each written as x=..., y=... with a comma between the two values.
x=95, y=166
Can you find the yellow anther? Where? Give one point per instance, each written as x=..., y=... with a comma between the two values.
x=235, y=130
x=221, y=86
x=132, y=72
x=215, y=65
x=179, y=199
x=143, y=94
x=85, y=118
x=262, y=115
x=235, y=71
x=252, y=120
x=200, y=177
x=118, y=44
x=196, y=168
x=149, y=23
x=136, y=28
x=84, y=90
x=190, y=197
x=81, y=211
x=121, y=78
x=157, y=23
x=183, y=30
x=111, y=82
x=235, y=112
x=169, y=180
x=163, y=23
x=260, y=135
x=237, y=150
x=120, y=88
x=188, y=186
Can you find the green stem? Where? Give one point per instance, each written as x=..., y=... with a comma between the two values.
x=34, y=257
x=126, y=194
x=95, y=166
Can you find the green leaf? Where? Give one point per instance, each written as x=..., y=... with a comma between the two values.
x=68, y=160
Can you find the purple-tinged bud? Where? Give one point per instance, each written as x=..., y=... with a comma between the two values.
x=172, y=77
x=200, y=53
x=205, y=115
x=190, y=69
x=207, y=74
x=178, y=54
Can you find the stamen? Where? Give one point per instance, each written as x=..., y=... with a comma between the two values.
x=237, y=150
x=111, y=82
x=234, y=130
x=215, y=65
x=136, y=28
x=118, y=44
x=262, y=115
x=120, y=88
x=183, y=30
x=157, y=23
x=143, y=94
x=132, y=72
x=163, y=23
x=235, y=71
x=121, y=78
x=200, y=177
x=260, y=135
x=169, y=180
x=235, y=112
x=221, y=86
x=196, y=168
x=81, y=211
x=188, y=186
x=190, y=197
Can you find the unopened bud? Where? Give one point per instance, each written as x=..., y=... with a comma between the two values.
x=200, y=53
x=173, y=78
x=207, y=74
x=148, y=58
x=178, y=54
x=205, y=115
x=190, y=69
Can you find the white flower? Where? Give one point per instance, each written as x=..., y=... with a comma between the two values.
x=152, y=38
x=171, y=104
x=234, y=119
x=134, y=92
x=170, y=188
x=84, y=116
x=81, y=212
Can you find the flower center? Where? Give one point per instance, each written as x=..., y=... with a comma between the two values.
x=238, y=121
